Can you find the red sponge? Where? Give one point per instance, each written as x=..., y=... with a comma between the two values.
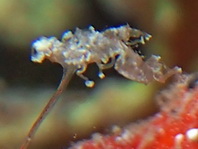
x=174, y=127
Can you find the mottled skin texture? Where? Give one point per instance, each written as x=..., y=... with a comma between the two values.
x=115, y=45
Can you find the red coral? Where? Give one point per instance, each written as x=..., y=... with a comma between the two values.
x=174, y=127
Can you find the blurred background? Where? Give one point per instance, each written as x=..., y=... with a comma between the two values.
x=25, y=87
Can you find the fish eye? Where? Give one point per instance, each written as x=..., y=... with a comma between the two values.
x=34, y=51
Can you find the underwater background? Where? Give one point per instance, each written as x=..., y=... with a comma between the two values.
x=25, y=87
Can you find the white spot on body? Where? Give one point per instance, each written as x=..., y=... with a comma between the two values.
x=85, y=47
x=67, y=35
x=89, y=83
x=101, y=75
